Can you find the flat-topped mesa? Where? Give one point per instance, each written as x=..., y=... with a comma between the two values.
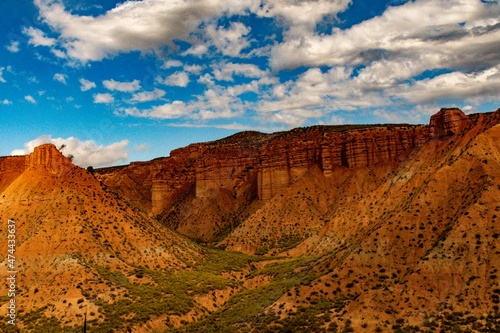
x=447, y=122
x=270, y=163
x=51, y=159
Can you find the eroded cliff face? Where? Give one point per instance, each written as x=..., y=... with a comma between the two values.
x=446, y=122
x=281, y=159
x=45, y=156
x=286, y=159
x=48, y=157
x=251, y=166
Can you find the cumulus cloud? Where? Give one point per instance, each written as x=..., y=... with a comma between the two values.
x=13, y=47
x=1, y=75
x=453, y=85
x=85, y=153
x=147, y=96
x=230, y=41
x=6, y=102
x=193, y=69
x=196, y=50
x=30, y=99
x=420, y=51
x=122, y=86
x=178, y=79
x=402, y=35
x=217, y=102
x=86, y=84
x=60, y=77
x=305, y=13
x=377, y=63
x=176, y=109
x=103, y=98
x=37, y=37
x=171, y=63
x=225, y=72
x=131, y=25
x=144, y=147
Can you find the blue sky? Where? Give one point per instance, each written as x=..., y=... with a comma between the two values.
x=119, y=81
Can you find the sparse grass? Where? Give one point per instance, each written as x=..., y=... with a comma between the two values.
x=170, y=294
x=249, y=306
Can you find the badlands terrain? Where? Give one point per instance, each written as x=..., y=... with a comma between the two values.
x=373, y=228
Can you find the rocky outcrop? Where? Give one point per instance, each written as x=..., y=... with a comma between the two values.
x=45, y=156
x=48, y=157
x=448, y=121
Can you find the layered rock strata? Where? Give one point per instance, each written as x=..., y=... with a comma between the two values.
x=269, y=163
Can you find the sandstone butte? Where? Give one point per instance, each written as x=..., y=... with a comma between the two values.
x=391, y=226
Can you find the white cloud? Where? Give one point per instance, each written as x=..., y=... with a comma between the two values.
x=399, y=116
x=30, y=99
x=122, y=86
x=217, y=102
x=225, y=72
x=147, y=96
x=468, y=109
x=176, y=109
x=6, y=102
x=141, y=148
x=171, y=63
x=13, y=46
x=38, y=38
x=230, y=126
x=131, y=25
x=85, y=152
x=230, y=41
x=103, y=98
x=206, y=79
x=375, y=64
x=1, y=75
x=437, y=30
x=196, y=50
x=304, y=13
x=193, y=69
x=58, y=53
x=86, y=84
x=178, y=79
x=452, y=85
x=337, y=120
x=60, y=77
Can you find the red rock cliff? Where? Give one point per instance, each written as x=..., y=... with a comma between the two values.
x=447, y=122
x=274, y=161
x=48, y=157
x=45, y=156
x=271, y=162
